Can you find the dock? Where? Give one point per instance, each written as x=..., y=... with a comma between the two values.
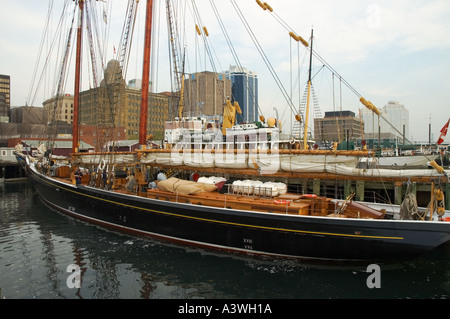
x=10, y=168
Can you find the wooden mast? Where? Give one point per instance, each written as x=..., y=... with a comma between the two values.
x=305, y=137
x=145, y=75
x=76, y=101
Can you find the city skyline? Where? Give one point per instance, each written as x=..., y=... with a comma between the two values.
x=387, y=51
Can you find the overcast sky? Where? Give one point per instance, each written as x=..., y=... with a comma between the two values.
x=386, y=50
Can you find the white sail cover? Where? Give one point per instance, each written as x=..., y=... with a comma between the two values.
x=95, y=159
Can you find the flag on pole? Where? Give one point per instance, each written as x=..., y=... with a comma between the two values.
x=443, y=133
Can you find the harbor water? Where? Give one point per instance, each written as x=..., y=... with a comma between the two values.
x=41, y=251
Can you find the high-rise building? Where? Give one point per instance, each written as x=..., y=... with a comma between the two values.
x=205, y=93
x=112, y=108
x=114, y=104
x=59, y=108
x=244, y=88
x=397, y=116
x=5, y=102
x=337, y=126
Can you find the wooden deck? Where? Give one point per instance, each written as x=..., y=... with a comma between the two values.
x=282, y=204
x=292, y=204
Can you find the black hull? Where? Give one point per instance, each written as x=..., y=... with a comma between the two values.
x=306, y=237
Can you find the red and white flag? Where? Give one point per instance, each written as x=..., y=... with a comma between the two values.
x=443, y=133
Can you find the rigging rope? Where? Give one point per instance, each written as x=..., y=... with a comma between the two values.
x=204, y=36
x=266, y=7
x=408, y=208
x=53, y=129
x=264, y=56
x=30, y=100
x=233, y=51
x=41, y=45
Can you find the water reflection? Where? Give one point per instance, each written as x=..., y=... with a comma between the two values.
x=37, y=244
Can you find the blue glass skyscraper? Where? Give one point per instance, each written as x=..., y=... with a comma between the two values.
x=244, y=88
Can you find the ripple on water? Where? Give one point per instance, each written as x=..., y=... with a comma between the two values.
x=37, y=245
